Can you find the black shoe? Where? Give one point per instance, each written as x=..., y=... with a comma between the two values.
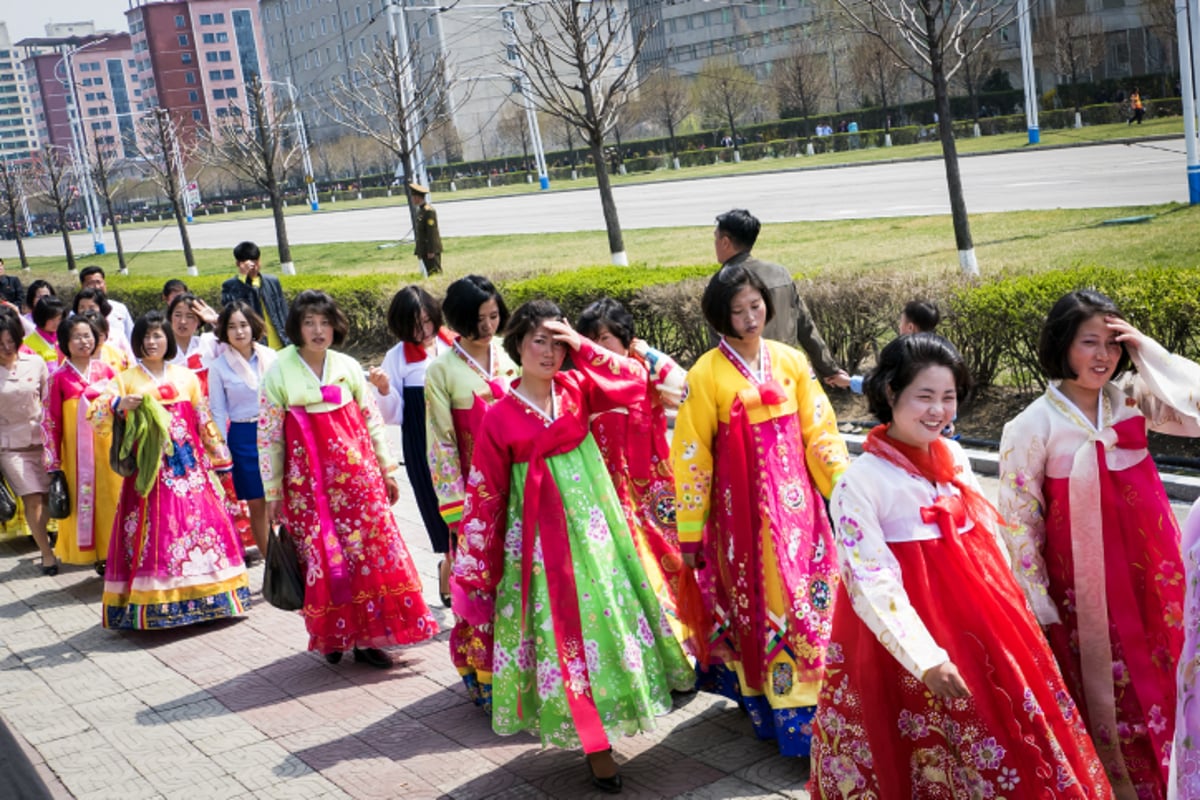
x=373, y=656
x=51, y=570
x=334, y=657
x=100, y=568
x=445, y=596
x=609, y=785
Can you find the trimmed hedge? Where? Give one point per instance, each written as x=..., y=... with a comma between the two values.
x=994, y=322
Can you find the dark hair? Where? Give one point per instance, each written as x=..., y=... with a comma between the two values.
x=87, y=272
x=47, y=309
x=34, y=288
x=152, y=319
x=404, y=314
x=463, y=299
x=923, y=314
x=98, y=321
x=10, y=321
x=174, y=285
x=525, y=321
x=900, y=362
x=1061, y=325
x=68, y=325
x=717, y=301
x=740, y=226
x=257, y=326
x=179, y=299
x=97, y=295
x=247, y=251
x=607, y=313
x=312, y=301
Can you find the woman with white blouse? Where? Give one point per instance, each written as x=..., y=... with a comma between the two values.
x=233, y=379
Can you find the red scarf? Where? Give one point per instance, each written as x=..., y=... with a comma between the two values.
x=414, y=353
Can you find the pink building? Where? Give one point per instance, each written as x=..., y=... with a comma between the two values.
x=194, y=57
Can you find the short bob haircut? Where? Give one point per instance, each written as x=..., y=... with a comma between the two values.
x=717, y=302
x=525, y=320
x=96, y=296
x=463, y=299
x=71, y=323
x=47, y=308
x=246, y=251
x=187, y=298
x=740, y=226
x=900, y=362
x=404, y=313
x=257, y=326
x=313, y=301
x=32, y=292
x=10, y=321
x=146, y=322
x=923, y=314
x=1061, y=325
x=608, y=314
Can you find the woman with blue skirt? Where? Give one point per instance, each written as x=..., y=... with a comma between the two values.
x=233, y=379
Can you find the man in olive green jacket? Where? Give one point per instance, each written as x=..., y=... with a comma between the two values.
x=733, y=238
x=429, y=240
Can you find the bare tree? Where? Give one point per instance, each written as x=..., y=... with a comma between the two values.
x=102, y=166
x=976, y=69
x=12, y=189
x=373, y=101
x=1076, y=41
x=164, y=152
x=876, y=73
x=664, y=99
x=800, y=80
x=512, y=129
x=1160, y=20
x=54, y=181
x=578, y=61
x=258, y=147
x=929, y=37
x=726, y=92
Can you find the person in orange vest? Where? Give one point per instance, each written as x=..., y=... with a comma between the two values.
x=1135, y=105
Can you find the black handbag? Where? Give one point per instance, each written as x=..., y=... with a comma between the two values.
x=60, y=495
x=125, y=467
x=8, y=501
x=283, y=583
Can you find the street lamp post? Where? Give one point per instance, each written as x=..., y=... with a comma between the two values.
x=1029, y=74
x=398, y=31
x=310, y=183
x=1187, y=46
x=79, y=153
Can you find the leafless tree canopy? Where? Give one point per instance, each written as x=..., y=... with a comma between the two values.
x=664, y=100
x=256, y=147
x=55, y=182
x=13, y=179
x=876, y=72
x=801, y=80
x=1075, y=43
x=165, y=152
x=728, y=94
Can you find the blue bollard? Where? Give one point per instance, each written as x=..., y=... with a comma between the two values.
x=1035, y=135
x=100, y=249
x=1193, y=173
x=544, y=183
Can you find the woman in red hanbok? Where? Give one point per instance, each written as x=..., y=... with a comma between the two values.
x=939, y=683
x=1095, y=543
x=329, y=477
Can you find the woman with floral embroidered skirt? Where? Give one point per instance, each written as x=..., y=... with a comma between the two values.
x=583, y=650
x=939, y=682
x=330, y=479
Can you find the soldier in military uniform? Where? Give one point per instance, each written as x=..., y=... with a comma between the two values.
x=429, y=239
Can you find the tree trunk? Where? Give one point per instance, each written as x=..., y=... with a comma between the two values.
x=616, y=242
x=112, y=220
x=66, y=234
x=671, y=136
x=183, y=235
x=12, y=214
x=281, y=236
x=958, y=204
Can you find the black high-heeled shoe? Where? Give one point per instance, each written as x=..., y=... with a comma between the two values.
x=445, y=596
x=609, y=785
x=51, y=570
x=373, y=656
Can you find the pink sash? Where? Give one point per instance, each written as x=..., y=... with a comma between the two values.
x=326, y=539
x=85, y=471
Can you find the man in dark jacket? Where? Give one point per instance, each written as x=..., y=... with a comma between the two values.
x=262, y=292
x=11, y=291
x=735, y=235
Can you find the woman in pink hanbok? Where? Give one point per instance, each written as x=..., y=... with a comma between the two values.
x=174, y=558
x=1095, y=543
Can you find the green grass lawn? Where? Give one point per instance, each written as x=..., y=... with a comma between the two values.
x=985, y=144
x=1019, y=241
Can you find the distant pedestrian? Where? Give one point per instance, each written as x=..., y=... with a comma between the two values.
x=428, y=238
x=1136, y=108
x=261, y=292
x=172, y=288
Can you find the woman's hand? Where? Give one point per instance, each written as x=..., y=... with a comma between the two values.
x=945, y=682
x=275, y=511
x=379, y=380
x=1127, y=335
x=204, y=311
x=393, y=490
x=129, y=403
x=563, y=332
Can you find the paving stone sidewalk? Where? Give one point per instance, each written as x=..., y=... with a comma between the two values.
x=238, y=709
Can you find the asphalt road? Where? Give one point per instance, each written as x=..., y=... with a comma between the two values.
x=1083, y=177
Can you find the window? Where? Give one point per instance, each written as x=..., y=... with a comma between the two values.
x=219, y=18
x=95, y=126
x=186, y=58
x=222, y=112
x=101, y=96
x=206, y=19
x=197, y=115
x=189, y=78
x=512, y=52
x=180, y=22
x=226, y=55
x=183, y=40
x=222, y=37
x=214, y=74
x=193, y=96
x=87, y=81
x=358, y=17
x=231, y=92
x=208, y=38
x=218, y=94
x=227, y=74
x=509, y=20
